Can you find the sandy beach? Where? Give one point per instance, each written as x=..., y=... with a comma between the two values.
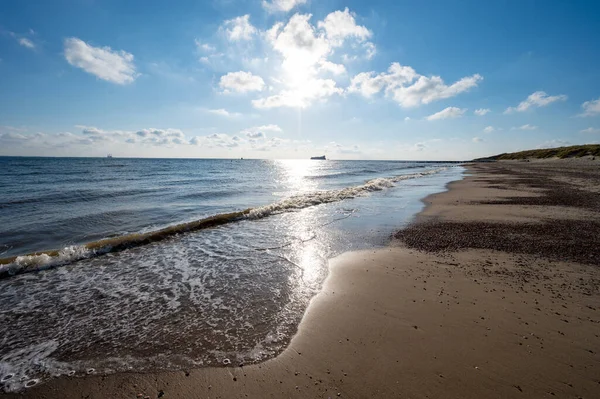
x=493, y=292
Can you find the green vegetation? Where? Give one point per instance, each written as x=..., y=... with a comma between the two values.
x=574, y=151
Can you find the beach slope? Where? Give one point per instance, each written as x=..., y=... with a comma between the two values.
x=493, y=292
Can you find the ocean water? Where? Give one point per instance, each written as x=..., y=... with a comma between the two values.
x=125, y=290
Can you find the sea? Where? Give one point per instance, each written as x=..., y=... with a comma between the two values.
x=114, y=265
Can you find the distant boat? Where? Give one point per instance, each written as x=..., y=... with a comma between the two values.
x=109, y=156
x=322, y=158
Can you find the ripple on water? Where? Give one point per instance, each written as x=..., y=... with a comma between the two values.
x=139, y=309
x=234, y=293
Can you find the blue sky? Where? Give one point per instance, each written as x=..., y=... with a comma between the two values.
x=295, y=78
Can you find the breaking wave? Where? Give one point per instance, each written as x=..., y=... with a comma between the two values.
x=49, y=259
x=327, y=196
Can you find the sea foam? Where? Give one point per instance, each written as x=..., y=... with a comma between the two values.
x=45, y=261
x=326, y=196
x=49, y=259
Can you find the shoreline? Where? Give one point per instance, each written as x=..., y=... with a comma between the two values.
x=402, y=322
x=428, y=200
x=30, y=262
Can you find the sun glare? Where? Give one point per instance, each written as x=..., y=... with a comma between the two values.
x=295, y=174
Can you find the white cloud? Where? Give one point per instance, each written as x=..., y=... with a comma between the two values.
x=15, y=137
x=305, y=50
x=315, y=89
x=407, y=119
x=525, y=127
x=536, y=99
x=216, y=140
x=196, y=140
x=161, y=137
x=477, y=139
x=145, y=141
x=591, y=108
x=446, y=113
x=150, y=136
x=281, y=5
x=23, y=41
x=301, y=46
x=112, y=66
x=260, y=131
x=241, y=82
x=423, y=145
x=368, y=84
x=408, y=88
x=94, y=134
x=489, y=129
x=160, y=132
x=67, y=139
x=239, y=28
x=340, y=25
x=482, y=111
x=211, y=59
x=253, y=138
x=370, y=50
x=13, y=128
x=274, y=143
x=337, y=148
x=256, y=135
x=207, y=52
x=268, y=128
x=223, y=112
x=204, y=47
x=90, y=129
x=590, y=130
x=554, y=143
x=336, y=69
x=418, y=147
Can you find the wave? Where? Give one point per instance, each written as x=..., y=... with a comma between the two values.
x=327, y=196
x=361, y=172
x=49, y=259
x=208, y=194
x=78, y=196
x=341, y=174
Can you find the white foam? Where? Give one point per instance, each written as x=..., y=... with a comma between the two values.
x=18, y=368
x=75, y=253
x=327, y=196
x=44, y=261
x=216, y=274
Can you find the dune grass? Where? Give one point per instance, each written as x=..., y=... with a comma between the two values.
x=574, y=151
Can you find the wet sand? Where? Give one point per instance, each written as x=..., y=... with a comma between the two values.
x=494, y=292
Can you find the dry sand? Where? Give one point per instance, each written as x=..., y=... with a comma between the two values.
x=469, y=302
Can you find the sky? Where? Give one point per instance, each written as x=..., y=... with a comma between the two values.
x=383, y=79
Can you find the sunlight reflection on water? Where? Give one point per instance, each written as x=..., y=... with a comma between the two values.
x=237, y=291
